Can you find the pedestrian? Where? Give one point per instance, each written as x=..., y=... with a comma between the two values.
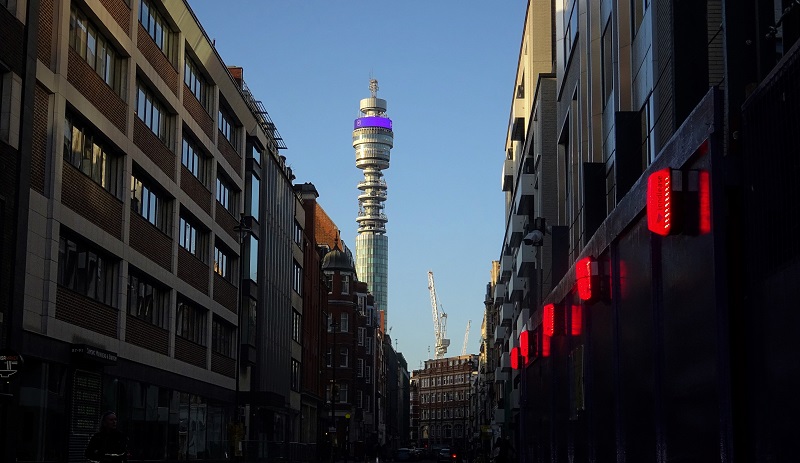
x=107, y=445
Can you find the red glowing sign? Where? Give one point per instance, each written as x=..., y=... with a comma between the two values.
x=524, y=346
x=704, y=190
x=660, y=201
x=576, y=321
x=585, y=270
x=515, y=358
x=546, y=346
x=549, y=320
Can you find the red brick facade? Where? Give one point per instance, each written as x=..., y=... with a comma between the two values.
x=196, y=190
x=86, y=313
x=225, y=292
x=229, y=153
x=158, y=60
x=91, y=86
x=104, y=210
x=44, y=48
x=146, y=335
x=152, y=146
x=41, y=112
x=150, y=241
x=121, y=13
x=227, y=221
x=223, y=365
x=198, y=112
x=192, y=270
x=189, y=352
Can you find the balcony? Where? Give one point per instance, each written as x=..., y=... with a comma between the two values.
x=516, y=230
x=507, y=182
x=523, y=197
x=499, y=293
x=499, y=335
x=506, y=313
x=525, y=262
x=506, y=266
x=516, y=288
x=505, y=362
x=522, y=320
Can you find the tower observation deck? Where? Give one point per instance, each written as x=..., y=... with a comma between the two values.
x=373, y=139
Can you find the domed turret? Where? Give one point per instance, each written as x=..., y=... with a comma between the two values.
x=337, y=260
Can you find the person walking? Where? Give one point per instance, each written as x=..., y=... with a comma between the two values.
x=107, y=445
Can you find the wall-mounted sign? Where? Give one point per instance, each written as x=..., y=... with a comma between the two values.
x=10, y=363
x=94, y=354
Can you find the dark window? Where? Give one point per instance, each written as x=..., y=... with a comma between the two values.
x=147, y=300
x=150, y=110
x=92, y=155
x=150, y=204
x=570, y=27
x=92, y=46
x=87, y=270
x=226, y=126
x=156, y=26
x=194, y=160
x=222, y=263
x=607, y=53
x=191, y=322
x=195, y=81
x=297, y=281
x=226, y=195
x=222, y=337
x=192, y=239
x=295, y=375
x=297, y=325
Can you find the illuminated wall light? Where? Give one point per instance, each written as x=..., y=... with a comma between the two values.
x=576, y=320
x=515, y=358
x=705, y=202
x=583, y=277
x=524, y=346
x=660, y=202
x=546, y=345
x=549, y=320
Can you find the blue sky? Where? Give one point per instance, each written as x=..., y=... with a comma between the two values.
x=446, y=69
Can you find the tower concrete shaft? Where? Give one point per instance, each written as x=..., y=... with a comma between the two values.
x=373, y=139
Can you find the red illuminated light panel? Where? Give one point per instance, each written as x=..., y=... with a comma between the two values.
x=584, y=271
x=576, y=320
x=515, y=358
x=524, y=346
x=660, y=201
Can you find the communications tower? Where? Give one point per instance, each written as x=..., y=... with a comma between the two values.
x=373, y=139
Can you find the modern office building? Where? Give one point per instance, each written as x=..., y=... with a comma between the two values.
x=139, y=270
x=373, y=140
x=640, y=304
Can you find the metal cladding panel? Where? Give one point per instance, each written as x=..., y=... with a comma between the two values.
x=690, y=348
x=636, y=339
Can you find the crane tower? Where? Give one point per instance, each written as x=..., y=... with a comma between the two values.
x=439, y=322
x=466, y=338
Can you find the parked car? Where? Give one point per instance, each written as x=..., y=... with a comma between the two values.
x=403, y=454
x=447, y=455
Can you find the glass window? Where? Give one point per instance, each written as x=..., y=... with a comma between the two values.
x=192, y=240
x=252, y=246
x=91, y=154
x=93, y=47
x=195, y=81
x=345, y=284
x=150, y=110
x=156, y=26
x=344, y=323
x=194, y=160
x=253, y=197
x=295, y=378
x=344, y=356
x=86, y=269
x=606, y=52
x=226, y=195
x=191, y=322
x=222, y=263
x=150, y=204
x=147, y=300
x=297, y=281
x=227, y=127
x=297, y=325
x=222, y=337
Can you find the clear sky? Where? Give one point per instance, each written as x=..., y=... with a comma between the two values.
x=447, y=70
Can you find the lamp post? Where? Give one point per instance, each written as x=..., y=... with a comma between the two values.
x=243, y=229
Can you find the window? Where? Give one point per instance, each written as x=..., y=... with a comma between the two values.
x=297, y=280
x=298, y=234
x=360, y=399
x=93, y=47
x=648, y=137
x=295, y=375
x=147, y=300
x=606, y=53
x=344, y=356
x=638, y=7
x=91, y=154
x=154, y=115
x=343, y=393
x=253, y=196
x=360, y=368
x=157, y=27
x=222, y=263
x=330, y=323
x=362, y=333
x=226, y=195
x=226, y=126
x=85, y=269
x=192, y=240
x=222, y=337
x=297, y=325
x=151, y=205
x=369, y=344
x=345, y=284
x=196, y=82
x=194, y=160
x=368, y=374
x=329, y=357
x=570, y=28
x=191, y=322
x=329, y=281
x=344, y=323
x=252, y=246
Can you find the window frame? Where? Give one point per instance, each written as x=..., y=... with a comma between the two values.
x=143, y=290
x=99, y=52
x=194, y=159
x=223, y=337
x=158, y=28
x=191, y=322
x=90, y=153
x=143, y=195
x=153, y=113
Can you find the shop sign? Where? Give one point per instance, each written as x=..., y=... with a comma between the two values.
x=10, y=363
x=94, y=354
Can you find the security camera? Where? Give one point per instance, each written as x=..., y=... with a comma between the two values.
x=535, y=238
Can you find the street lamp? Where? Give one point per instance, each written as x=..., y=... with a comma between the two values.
x=243, y=229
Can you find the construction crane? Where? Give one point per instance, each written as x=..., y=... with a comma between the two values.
x=466, y=338
x=439, y=322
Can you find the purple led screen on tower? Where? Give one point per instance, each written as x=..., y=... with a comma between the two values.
x=373, y=121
